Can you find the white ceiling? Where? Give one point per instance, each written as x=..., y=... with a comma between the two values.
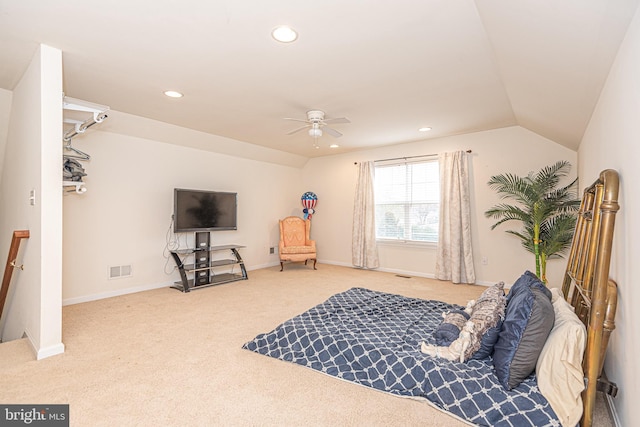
x=391, y=67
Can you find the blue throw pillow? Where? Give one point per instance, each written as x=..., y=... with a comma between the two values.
x=488, y=342
x=528, y=321
x=449, y=330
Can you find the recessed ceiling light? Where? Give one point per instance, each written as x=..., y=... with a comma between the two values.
x=425, y=129
x=173, y=94
x=284, y=34
x=334, y=146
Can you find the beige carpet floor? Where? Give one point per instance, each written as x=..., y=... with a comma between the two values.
x=166, y=358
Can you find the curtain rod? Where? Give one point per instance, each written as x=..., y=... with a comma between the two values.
x=409, y=157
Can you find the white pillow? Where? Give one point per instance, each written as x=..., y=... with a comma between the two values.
x=559, y=368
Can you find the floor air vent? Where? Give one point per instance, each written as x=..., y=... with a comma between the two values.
x=403, y=276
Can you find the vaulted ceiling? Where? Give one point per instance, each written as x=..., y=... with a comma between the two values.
x=390, y=67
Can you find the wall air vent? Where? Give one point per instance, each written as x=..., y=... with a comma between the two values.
x=119, y=271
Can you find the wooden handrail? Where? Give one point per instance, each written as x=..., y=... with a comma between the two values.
x=18, y=235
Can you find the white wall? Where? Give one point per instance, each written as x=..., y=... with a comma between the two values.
x=512, y=149
x=32, y=162
x=124, y=217
x=5, y=110
x=611, y=142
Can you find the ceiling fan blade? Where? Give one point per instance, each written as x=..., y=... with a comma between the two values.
x=334, y=133
x=296, y=120
x=338, y=120
x=297, y=130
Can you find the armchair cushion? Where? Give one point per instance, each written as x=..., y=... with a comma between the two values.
x=299, y=249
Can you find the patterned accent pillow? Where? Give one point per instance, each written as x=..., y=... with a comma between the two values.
x=487, y=314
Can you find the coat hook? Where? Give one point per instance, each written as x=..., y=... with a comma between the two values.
x=13, y=264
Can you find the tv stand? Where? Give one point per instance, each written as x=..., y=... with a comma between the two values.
x=204, y=271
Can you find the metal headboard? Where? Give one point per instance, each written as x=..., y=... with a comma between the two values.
x=587, y=286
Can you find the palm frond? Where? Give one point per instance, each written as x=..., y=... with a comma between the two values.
x=544, y=209
x=556, y=234
x=510, y=186
x=504, y=213
x=549, y=176
x=525, y=239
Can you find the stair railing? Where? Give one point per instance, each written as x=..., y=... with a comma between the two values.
x=18, y=235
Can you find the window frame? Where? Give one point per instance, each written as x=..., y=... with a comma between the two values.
x=408, y=202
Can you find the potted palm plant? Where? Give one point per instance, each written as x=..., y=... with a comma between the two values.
x=547, y=212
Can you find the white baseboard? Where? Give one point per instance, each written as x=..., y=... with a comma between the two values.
x=33, y=345
x=402, y=272
x=115, y=293
x=266, y=265
x=118, y=292
x=613, y=411
x=50, y=351
x=341, y=264
x=42, y=353
x=125, y=291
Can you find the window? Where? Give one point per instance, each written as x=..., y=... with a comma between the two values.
x=407, y=197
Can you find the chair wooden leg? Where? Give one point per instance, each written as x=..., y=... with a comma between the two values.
x=305, y=263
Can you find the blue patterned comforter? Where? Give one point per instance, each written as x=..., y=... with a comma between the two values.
x=373, y=339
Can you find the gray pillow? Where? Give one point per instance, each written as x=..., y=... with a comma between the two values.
x=535, y=335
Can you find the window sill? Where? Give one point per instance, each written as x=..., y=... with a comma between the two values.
x=406, y=243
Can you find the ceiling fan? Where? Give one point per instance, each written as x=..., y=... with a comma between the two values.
x=316, y=123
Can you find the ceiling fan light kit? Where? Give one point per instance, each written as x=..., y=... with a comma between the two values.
x=315, y=132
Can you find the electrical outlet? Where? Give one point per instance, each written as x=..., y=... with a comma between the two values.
x=272, y=250
x=485, y=261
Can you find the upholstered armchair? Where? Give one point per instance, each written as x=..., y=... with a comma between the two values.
x=295, y=244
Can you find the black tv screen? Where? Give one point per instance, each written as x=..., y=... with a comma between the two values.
x=197, y=210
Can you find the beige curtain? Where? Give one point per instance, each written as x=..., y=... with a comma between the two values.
x=364, y=251
x=454, y=254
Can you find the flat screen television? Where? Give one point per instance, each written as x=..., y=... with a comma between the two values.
x=198, y=210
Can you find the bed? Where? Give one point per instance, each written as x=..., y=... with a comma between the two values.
x=378, y=340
